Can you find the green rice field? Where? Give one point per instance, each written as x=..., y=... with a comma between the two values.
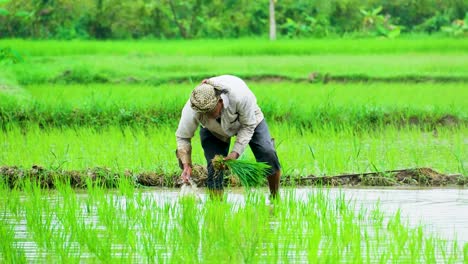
x=357, y=105
x=127, y=225
x=334, y=106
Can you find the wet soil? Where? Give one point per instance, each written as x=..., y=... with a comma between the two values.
x=403, y=177
x=15, y=176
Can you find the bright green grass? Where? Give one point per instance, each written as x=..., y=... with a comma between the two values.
x=302, y=152
x=429, y=95
x=357, y=105
x=239, y=47
x=130, y=226
x=160, y=61
x=156, y=69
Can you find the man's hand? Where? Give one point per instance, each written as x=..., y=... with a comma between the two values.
x=232, y=156
x=186, y=173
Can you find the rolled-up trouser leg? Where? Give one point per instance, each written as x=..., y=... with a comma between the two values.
x=263, y=148
x=213, y=146
x=264, y=151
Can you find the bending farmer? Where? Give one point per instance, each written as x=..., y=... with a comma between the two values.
x=225, y=107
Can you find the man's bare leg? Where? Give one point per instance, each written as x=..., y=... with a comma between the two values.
x=274, y=183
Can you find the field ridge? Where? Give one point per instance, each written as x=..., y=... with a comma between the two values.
x=106, y=177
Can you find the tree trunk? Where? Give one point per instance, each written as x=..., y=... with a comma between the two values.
x=179, y=24
x=272, y=20
x=195, y=12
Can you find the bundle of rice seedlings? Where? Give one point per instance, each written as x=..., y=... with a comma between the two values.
x=250, y=173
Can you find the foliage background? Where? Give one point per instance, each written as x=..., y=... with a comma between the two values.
x=164, y=19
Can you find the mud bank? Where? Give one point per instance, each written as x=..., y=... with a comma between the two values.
x=14, y=177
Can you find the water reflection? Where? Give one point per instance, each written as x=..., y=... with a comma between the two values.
x=441, y=211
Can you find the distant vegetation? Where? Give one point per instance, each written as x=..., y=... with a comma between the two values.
x=167, y=19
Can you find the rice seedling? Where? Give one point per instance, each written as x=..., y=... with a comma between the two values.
x=249, y=173
x=10, y=251
x=465, y=251
x=307, y=228
x=357, y=106
x=127, y=151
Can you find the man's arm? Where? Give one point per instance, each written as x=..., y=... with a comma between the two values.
x=184, y=134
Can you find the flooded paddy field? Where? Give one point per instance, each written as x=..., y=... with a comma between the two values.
x=146, y=225
x=84, y=126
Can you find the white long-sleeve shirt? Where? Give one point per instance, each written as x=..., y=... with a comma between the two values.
x=239, y=116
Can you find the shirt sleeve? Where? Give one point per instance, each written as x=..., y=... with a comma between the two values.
x=248, y=121
x=185, y=132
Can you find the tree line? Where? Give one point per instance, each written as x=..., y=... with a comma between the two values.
x=168, y=19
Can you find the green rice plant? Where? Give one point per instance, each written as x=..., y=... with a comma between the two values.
x=68, y=211
x=322, y=68
x=38, y=216
x=13, y=201
x=250, y=173
x=465, y=252
x=313, y=227
x=10, y=251
x=50, y=228
x=188, y=228
x=9, y=55
x=134, y=150
x=93, y=62
x=360, y=106
x=238, y=47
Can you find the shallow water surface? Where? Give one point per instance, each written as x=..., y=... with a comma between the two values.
x=442, y=211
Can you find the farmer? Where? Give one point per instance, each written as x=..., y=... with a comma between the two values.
x=225, y=107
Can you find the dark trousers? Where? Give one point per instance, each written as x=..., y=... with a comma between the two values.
x=261, y=144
